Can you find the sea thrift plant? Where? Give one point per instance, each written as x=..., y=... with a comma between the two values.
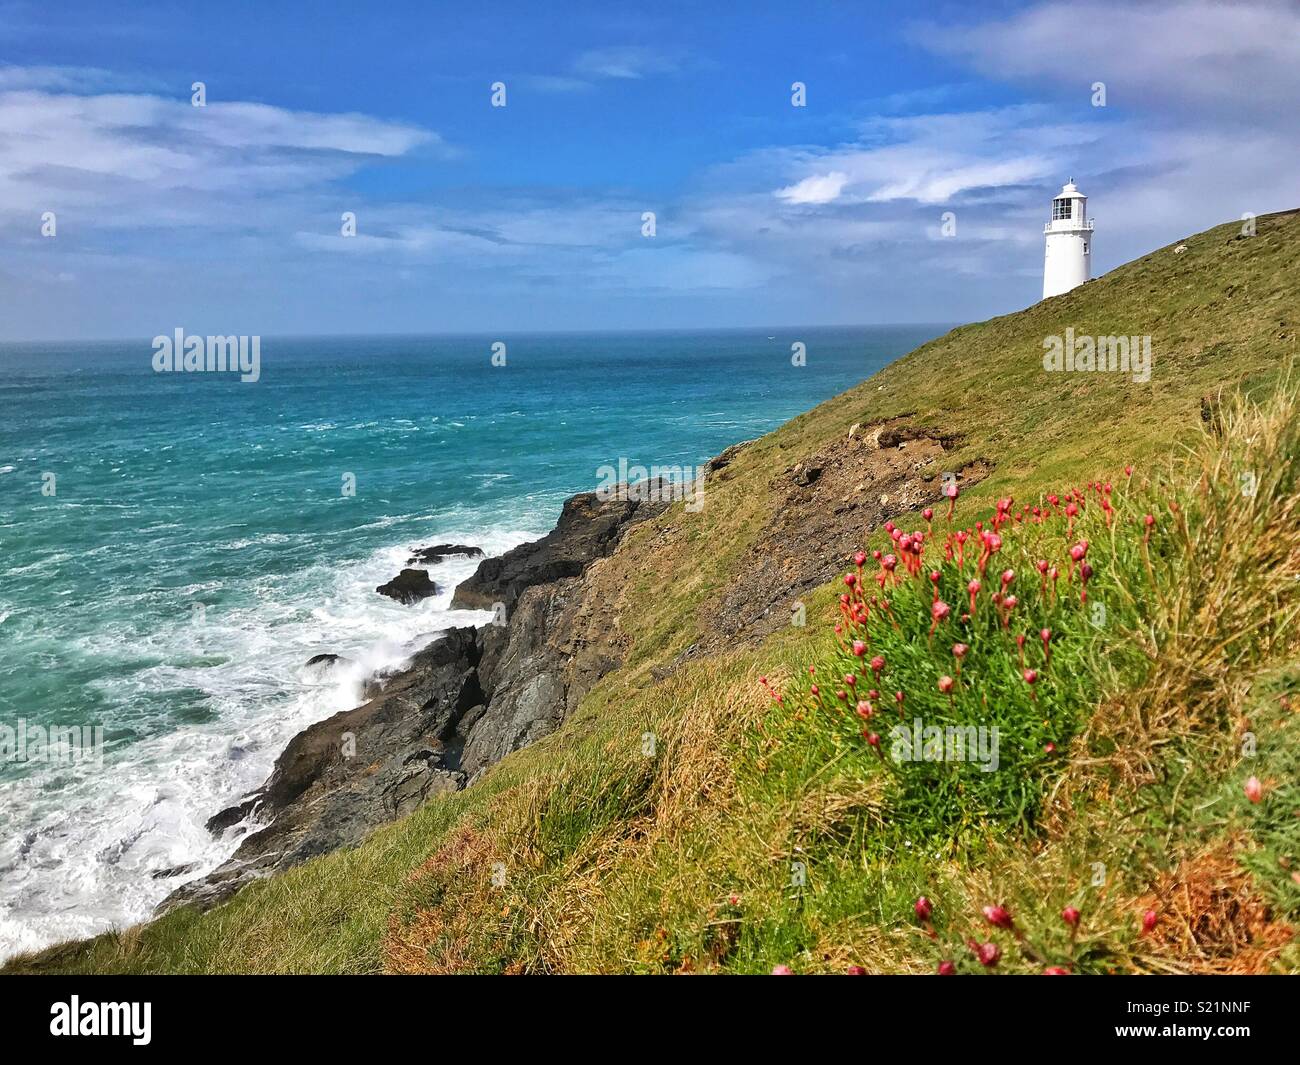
x=1098, y=635
x=1015, y=659
x=993, y=937
x=987, y=636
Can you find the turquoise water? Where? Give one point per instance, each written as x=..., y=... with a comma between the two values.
x=198, y=548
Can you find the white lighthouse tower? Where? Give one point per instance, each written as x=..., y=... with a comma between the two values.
x=1068, y=260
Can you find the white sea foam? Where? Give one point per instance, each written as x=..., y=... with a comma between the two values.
x=90, y=839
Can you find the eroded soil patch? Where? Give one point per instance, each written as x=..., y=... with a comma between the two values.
x=828, y=506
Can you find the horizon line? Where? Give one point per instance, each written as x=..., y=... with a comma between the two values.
x=629, y=331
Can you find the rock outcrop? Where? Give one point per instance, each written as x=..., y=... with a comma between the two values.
x=830, y=502
x=463, y=703
x=431, y=556
x=342, y=777
x=588, y=529
x=409, y=586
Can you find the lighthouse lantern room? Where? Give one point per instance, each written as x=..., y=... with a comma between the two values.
x=1068, y=260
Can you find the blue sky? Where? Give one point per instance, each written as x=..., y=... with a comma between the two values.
x=226, y=218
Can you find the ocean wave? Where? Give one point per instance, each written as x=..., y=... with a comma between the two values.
x=391, y=520
x=265, y=538
x=93, y=842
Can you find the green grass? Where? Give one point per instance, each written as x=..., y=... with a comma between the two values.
x=583, y=854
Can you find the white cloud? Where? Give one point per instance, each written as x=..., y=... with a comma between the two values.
x=248, y=125
x=553, y=83
x=933, y=159
x=137, y=158
x=1234, y=59
x=939, y=181
x=627, y=62
x=819, y=188
x=70, y=79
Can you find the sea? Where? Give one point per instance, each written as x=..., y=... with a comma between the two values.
x=175, y=546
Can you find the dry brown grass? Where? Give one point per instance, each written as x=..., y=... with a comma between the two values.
x=1212, y=918
x=1227, y=603
x=691, y=803
x=607, y=906
x=440, y=938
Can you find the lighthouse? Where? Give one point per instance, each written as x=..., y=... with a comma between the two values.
x=1068, y=260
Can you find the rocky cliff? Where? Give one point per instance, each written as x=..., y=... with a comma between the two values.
x=461, y=704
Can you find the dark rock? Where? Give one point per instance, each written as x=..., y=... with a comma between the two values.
x=409, y=586
x=723, y=460
x=372, y=686
x=415, y=784
x=816, y=527
x=431, y=556
x=171, y=871
x=537, y=669
x=805, y=475
x=588, y=529
x=231, y=816
x=327, y=661
x=341, y=778
x=469, y=719
x=1212, y=414
x=524, y=679
x=897, y=433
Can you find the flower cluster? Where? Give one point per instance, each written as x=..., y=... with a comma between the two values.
x=986, y=952
x=967, y=555
x=962, y=634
